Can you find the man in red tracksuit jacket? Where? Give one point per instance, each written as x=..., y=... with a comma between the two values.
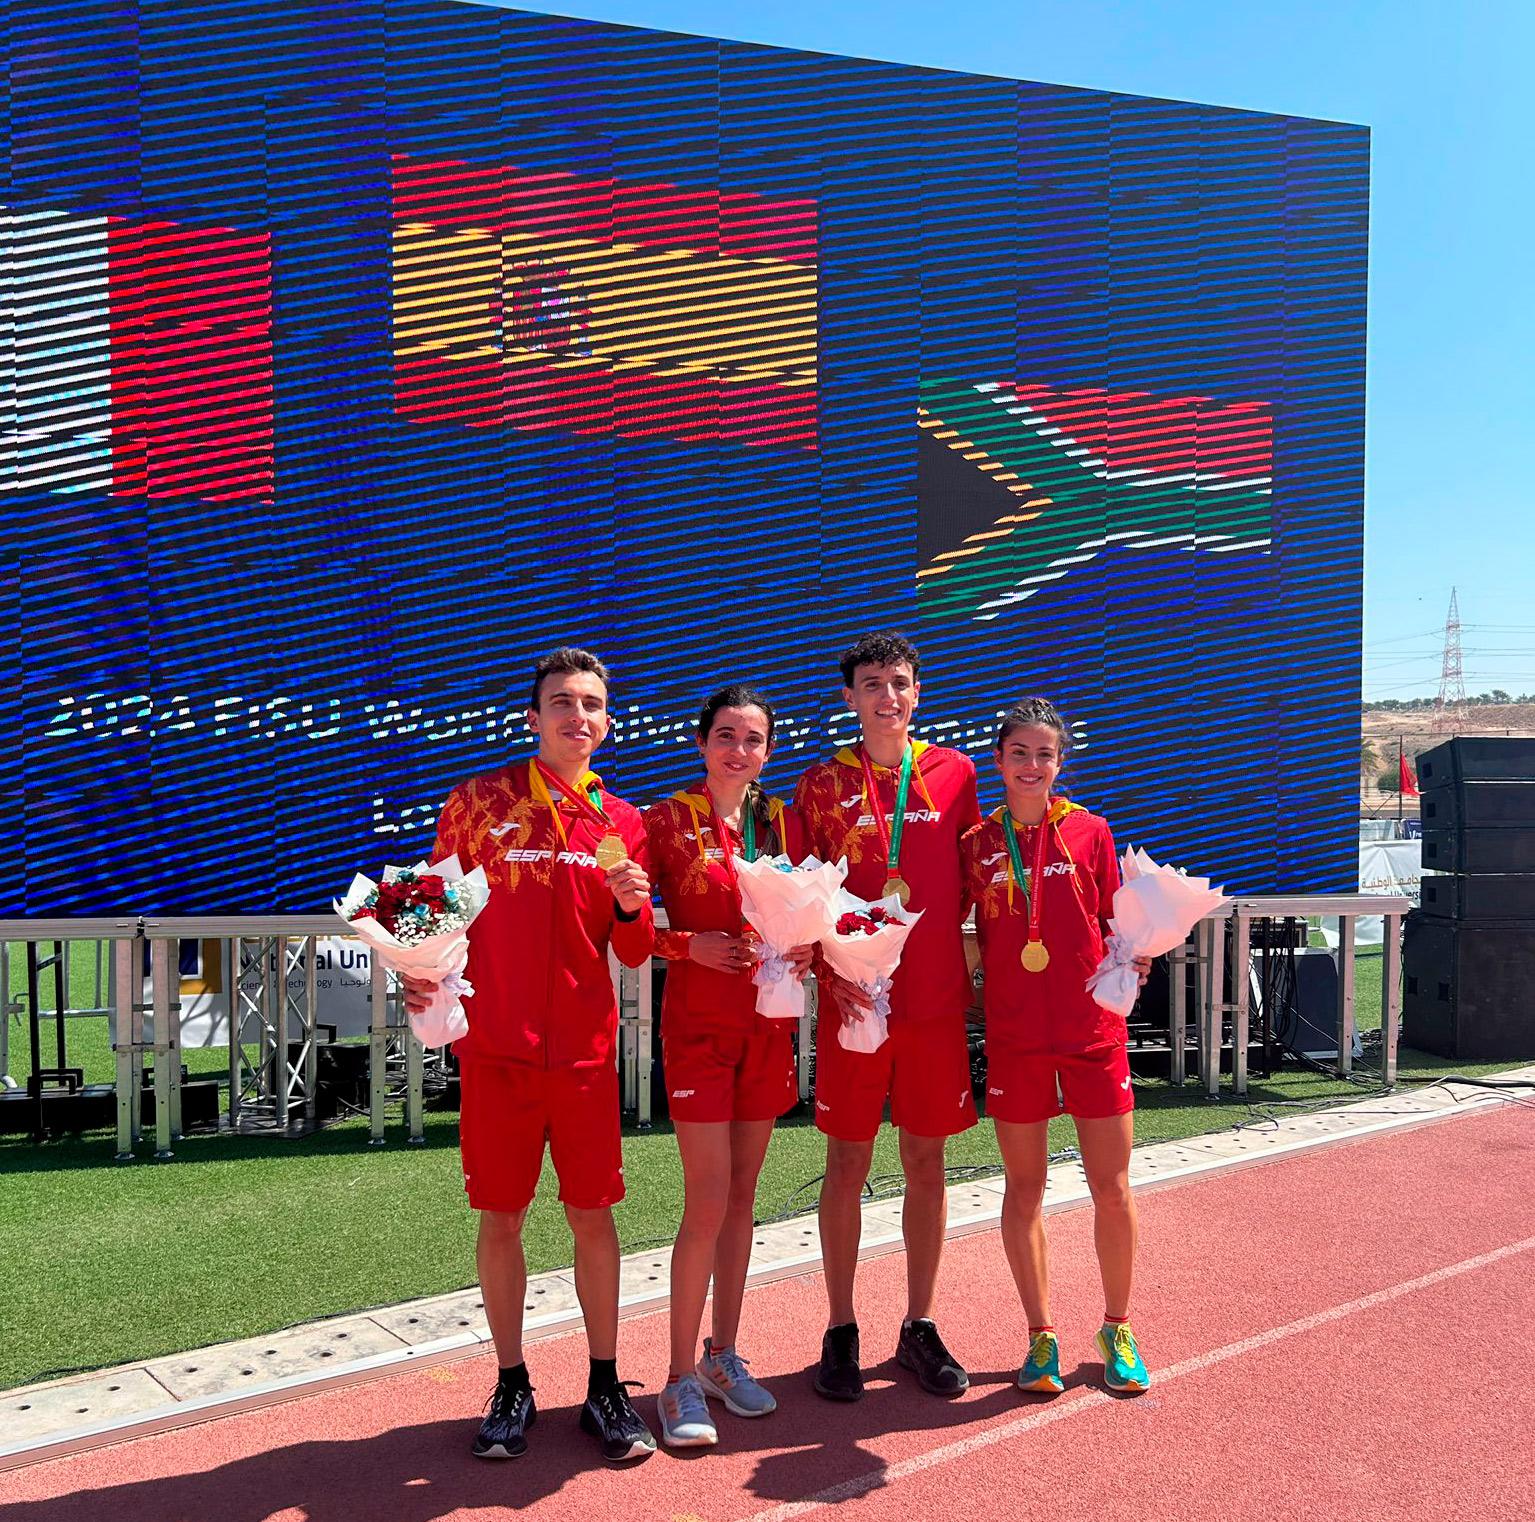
x=537, y=1064
x=897, y=809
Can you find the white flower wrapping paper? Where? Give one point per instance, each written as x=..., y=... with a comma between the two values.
x=787, y=906
x=870, y=961
x=440, y=957
x=1154, y=910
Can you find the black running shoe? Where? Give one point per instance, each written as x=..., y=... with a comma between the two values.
x=838, y=1376
x=922, y=1351
x=509, y=1414
x=613, y=1421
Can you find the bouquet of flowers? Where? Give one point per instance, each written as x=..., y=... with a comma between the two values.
x=417, y=921
x=1154, y=910
x=787, y=906
x=864, y=946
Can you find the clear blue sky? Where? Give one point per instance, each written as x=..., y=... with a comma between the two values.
x=1452, y=310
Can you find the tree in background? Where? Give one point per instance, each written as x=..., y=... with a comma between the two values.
x=1369, y=757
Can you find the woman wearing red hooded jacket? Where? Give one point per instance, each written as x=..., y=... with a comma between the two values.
x=1042, y=873
x=730, y=1071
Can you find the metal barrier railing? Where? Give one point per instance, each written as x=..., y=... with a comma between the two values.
x=1209, y=943
x=273, y=1031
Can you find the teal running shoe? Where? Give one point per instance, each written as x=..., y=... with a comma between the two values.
x=1041, y=1372
x=1123, y=1369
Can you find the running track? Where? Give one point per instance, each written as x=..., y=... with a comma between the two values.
x=1342, y=1334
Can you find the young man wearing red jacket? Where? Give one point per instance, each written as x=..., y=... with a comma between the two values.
x=566, y=863
x=897, y=809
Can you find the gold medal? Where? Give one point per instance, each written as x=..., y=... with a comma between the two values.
x=900, y=888
x=1035, y=957
x=611, y=852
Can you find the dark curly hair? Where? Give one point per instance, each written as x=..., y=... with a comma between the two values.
x=887, y=649
x=1033, y=711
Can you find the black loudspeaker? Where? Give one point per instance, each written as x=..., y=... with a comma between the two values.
x=1469, y=990
x=1490, y=897
x=1479, y=805
x=1510, y=848
x=1475, y=758
x=1316, y=1007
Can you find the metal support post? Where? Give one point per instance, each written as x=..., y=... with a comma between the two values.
x=378, y=1052
x=1346, y=993
x=1201, y=999
x=34, y=1044
x=128, y=1048
x=173, y=1036
x=1390, y=998
x=628, y=1037
x=274, y=988
x=644, y=1040
x=236, y=1018
x=1177, y=1019
x=1218, y=985
x=5, y=1007
x=1241, y=988
x=160, y=1003
x=311, y=1067
x=807, y=1035
x=1215, y=1008
x=415, y=1100
x=60, y=1002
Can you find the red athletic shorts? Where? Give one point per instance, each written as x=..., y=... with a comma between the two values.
x=509, y=1110
x=746, y=1074
x=923, y=1069
x=1021, y=1086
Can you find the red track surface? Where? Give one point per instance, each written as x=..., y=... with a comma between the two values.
x=1340, y=1335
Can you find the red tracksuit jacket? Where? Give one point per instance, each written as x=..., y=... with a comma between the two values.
x=1050, y=1010
x=932, y=981
x=688, y=870
x=538, y=953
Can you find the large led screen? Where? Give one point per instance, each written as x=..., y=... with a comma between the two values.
x=352, y=354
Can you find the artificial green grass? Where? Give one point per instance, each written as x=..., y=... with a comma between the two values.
x=104, y=1263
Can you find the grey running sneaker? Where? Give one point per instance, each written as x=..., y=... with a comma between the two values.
x=722, y=1372
x=685, y=1421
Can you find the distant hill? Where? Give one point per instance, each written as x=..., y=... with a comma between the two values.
x=1414, y=727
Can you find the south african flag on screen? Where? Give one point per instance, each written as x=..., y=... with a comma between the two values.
x=1019, y=484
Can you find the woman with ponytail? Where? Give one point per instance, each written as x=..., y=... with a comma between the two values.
x=729, y=1071
x=1042, y=873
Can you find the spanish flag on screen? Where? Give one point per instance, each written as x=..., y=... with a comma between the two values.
x=543, y=300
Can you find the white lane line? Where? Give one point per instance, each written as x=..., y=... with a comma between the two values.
x=848, y=1490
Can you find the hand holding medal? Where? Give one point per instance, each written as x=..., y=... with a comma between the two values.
x=629, y=884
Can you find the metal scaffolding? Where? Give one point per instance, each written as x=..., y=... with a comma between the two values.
x=270, y=961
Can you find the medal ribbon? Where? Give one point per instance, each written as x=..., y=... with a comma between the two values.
x=1034, y=888
x=590, y=804
x=722, y=839
x=722, y=835
x=889, y=833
